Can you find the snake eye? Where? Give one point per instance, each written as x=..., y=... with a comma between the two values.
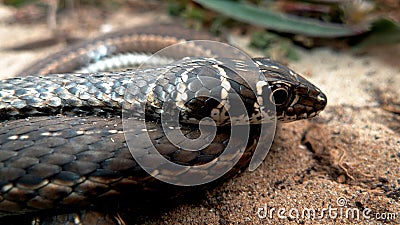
x=279, y=96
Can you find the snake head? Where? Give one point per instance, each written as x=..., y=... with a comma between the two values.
x=295, y=97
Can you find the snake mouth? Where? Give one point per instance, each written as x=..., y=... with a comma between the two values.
x=311, y=105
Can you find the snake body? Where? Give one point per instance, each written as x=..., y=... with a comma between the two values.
x=61, y=135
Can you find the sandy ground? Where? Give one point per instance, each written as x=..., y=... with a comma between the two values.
x=346, y=160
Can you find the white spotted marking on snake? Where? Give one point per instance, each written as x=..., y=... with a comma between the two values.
x=221, y=71
x=24, y=137
x=14, y=137
x=184, y=97
x=185, y=76
x=181, y=87
x=225, y=84
x=259, y=86
x=224, y=93
x=260, y=100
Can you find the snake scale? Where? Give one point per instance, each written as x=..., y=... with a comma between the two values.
x=61, y=136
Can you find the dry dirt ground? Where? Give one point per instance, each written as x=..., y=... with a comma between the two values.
x=346, y=160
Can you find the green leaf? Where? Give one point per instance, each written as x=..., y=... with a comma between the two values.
x=17, y=3
x=383, y=32
x=278, y=21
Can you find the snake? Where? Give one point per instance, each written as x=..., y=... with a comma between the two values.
x=62, y=142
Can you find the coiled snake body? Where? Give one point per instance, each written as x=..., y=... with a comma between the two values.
x=61, y=136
